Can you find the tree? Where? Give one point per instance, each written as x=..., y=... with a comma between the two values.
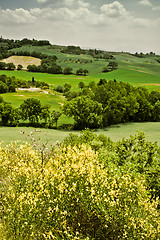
x=8, y=115
x=81, y=85
x=45, y=112
x=67, y=87
x=112, y=66
x=86, y=112
x=59, y=88
x=2, y=65
x=10, y=66
x=3, y=87
x=92, y=84
x=67, y=71
x=105, y=69
x=85, y=71
x=31, y=110
x=32, y=68
x=19, y=67
x=55, y=115
x=79, y=71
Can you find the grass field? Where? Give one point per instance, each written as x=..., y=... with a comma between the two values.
x=134, y=70
x=135, y=77
x=116, y=132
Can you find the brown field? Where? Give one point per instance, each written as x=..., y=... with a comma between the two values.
x=23, y=60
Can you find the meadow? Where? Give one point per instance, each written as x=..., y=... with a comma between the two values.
x=114, y=132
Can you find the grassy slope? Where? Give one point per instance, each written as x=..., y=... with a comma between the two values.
x=135, y=70
x=116, y=132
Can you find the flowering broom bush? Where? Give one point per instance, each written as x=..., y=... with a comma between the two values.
x=72, y=196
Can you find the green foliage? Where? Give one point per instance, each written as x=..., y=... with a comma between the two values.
x=72, y=195
x=59, y=88
x=81, y=71
x=81, y=85
x=19, y=67
x=67, y=87
x=120, y=102
x=134, y=153
x=67, y=71
x=10, y=66
x=8, y=115
x=2, y=65
x=85, y=111
x=31, y=110
x=3, y=87
x=55, y=115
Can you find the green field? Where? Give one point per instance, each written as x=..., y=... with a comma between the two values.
x=116, y=132
x=135, y=77
x=134, y=70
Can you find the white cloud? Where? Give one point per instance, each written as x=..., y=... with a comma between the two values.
x=143, y=22
x=69, y=2
x=76, y=22
x=145, y=3
x=114, y=9
x=156, y=8
x=83, y=4
x=19, y=15
x=42, y=1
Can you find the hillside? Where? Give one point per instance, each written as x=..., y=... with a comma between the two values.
x=95, y=62
x=23, y=60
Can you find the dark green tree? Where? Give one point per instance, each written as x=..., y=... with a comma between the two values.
x=55, y=115
x=67, y=87
x=45, y=112
x=67, y=71
x=86, y=112
x=85, y=71
x=2, y=65
x=81, y=85
x=8, y=115
x=79, y=72
x=10, y=66
x=31, y=110
x=19, y=67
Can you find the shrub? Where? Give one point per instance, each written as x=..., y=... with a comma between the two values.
x=70, y=195
x=59, y=88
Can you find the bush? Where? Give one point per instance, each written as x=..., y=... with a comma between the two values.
x=70, y=195
x=3, y=87
x=59, y=88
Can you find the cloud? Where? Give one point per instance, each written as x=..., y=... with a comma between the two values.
x=42, y=1
x=83, y=4
x=19, y=15
x=156, y=8
x=69, y=2
x=145, y=3
x=114, y=9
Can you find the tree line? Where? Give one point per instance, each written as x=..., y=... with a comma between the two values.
x=30, y=112
x=95, y=106
x=9, y=84
x=112, y=102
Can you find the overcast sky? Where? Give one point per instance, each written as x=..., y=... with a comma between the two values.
x=123, y=25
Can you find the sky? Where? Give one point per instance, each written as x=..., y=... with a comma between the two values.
x=123, y=25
